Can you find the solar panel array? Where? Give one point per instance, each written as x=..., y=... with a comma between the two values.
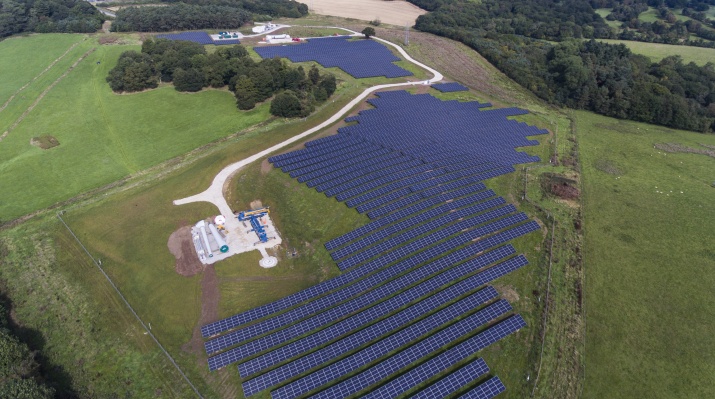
x=359, y=58
x=449, y=87
x=197, y=37
x=415, y=165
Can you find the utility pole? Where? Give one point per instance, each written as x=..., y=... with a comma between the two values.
x=407, y=34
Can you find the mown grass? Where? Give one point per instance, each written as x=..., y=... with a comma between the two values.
x=26, y=57
x=658, y=51
x=649, y=261
x=104, y=136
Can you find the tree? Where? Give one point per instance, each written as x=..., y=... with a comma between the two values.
x=188, y=80
x=286, y=104
x=368, y=31
x=329, y=84
x=246, y=93
x=314, y=75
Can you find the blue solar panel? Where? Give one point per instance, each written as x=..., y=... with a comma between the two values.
x=423, y=229
x=449, y=87
x=345, y=308
x=487, y=390
x=399, y=300
x=431, y=239
x=359, y=58
x=452, y=382
x=445, y=213
x=392, y=364
x=427, y=370
x=347, y=344
x=414, y=218
x=197, y=37
x=423, y=348
x=343, y=346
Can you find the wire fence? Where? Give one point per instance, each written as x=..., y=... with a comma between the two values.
x=98, y=264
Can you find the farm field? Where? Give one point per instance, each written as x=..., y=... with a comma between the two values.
x=102, y=136
x=658, y=51
x=398, y=12
x=649, y=260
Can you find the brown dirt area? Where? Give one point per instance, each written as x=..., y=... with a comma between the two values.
x=181, y=246
x=675, y=148
x=45, y=142
x=397, y=12
x=507, y=292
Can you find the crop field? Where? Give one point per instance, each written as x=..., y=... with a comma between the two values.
x=650, y=263
x=398, y=12
x=102, y=136
x=658, y=51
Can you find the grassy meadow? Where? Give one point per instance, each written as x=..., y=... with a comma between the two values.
x=103, y=136
x=649, y=261
x=658, y=51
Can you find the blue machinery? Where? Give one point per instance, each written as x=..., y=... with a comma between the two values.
x=254, y=216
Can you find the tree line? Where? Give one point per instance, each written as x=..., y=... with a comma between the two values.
x=203, y=14
x=190, y=68
x=607, y=79
x=561, y=20
x=69, y=16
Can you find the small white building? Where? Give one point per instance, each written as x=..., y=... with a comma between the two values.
x=264, y=27
x=273, y=39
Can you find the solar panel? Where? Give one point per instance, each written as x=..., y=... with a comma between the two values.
x=361, y=58
x=487, y=390
x=449, y=87
x=347, y=344
x=454, y=381
x=346, y=308
x=443, y=388
x=391, y=364
x=404, y=358
x=197, y=37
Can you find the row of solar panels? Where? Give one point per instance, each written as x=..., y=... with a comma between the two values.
x=359, y=58
x=197, y=37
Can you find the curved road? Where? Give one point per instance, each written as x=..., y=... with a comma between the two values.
x=214, y=194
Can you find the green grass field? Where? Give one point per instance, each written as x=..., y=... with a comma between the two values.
x=658, y=51
x=603, y=12
x=103, y=136
x=649, y=261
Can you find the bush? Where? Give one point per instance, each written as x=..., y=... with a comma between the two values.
x=369, y=31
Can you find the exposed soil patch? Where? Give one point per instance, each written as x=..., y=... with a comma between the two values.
x=607, y=167
x=560, y=186
x=675, y=147
x=181, y=246
x=256, y=204
x=507, y=292
x=45, y=142
x=266, y=167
